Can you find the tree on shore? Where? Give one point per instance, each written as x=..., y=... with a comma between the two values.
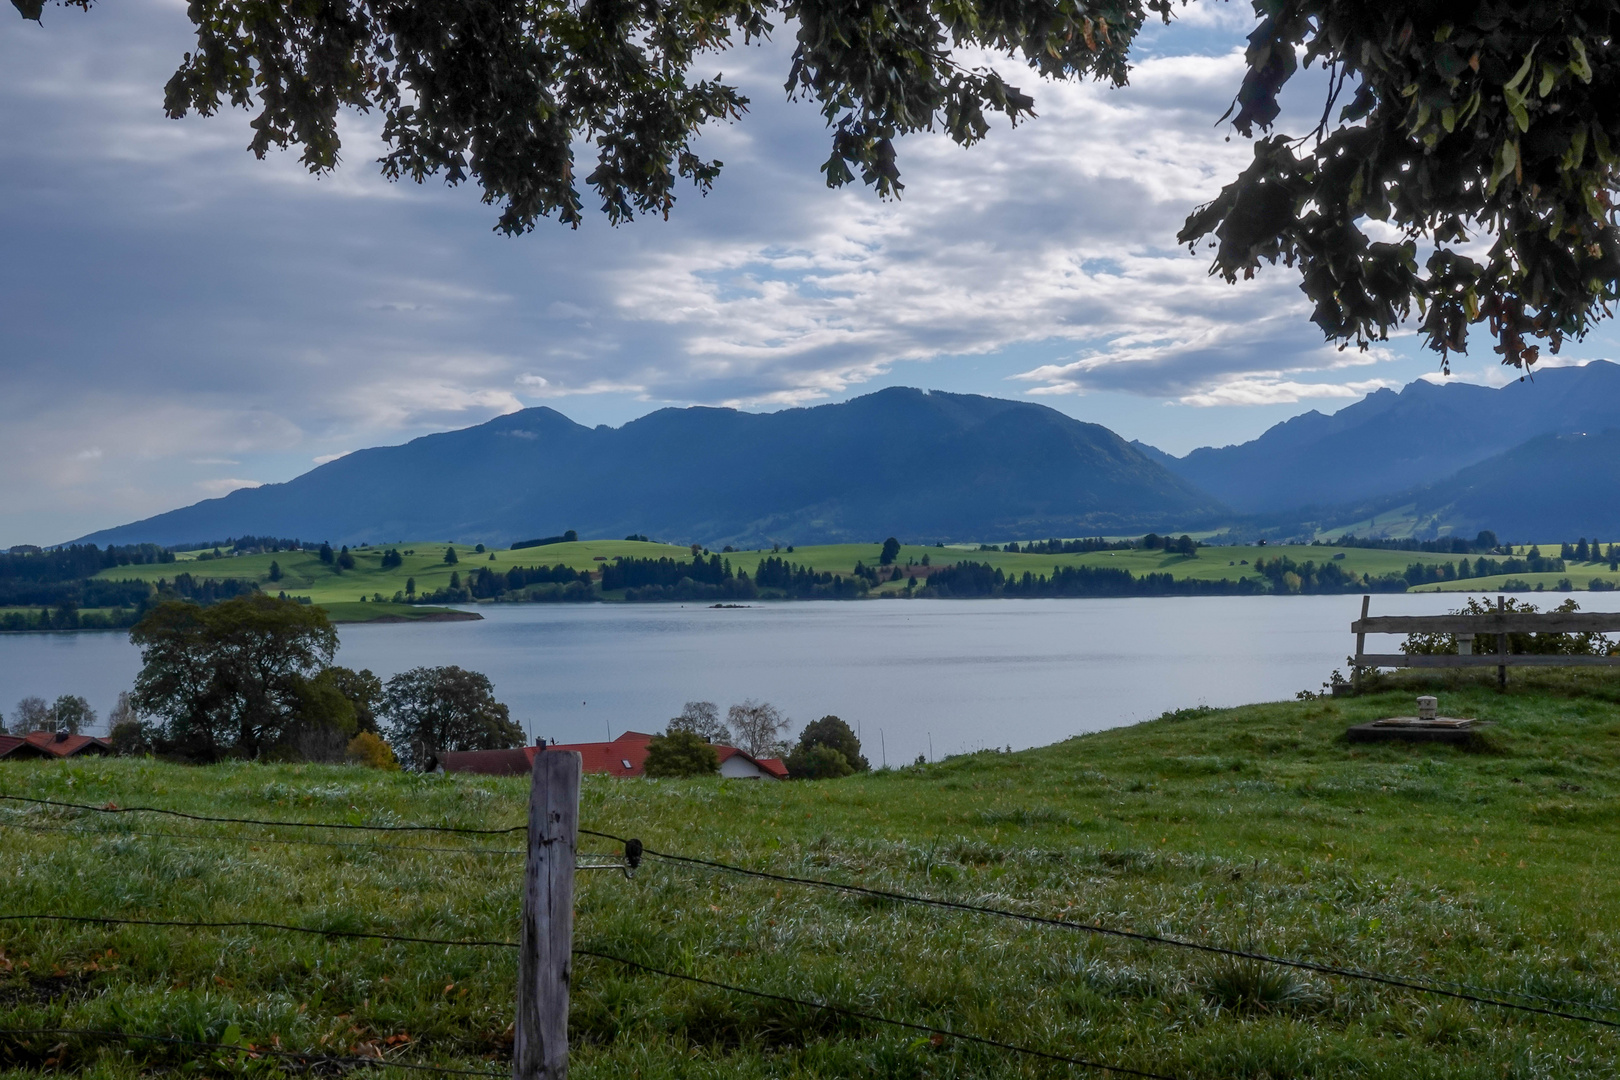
x=233, y=677
x=428, y=710
x=757, y=728
x=72, y=713
x=702, y=719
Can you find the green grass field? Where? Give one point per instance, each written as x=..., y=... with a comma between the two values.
x=303, y=574
x=1255, y=827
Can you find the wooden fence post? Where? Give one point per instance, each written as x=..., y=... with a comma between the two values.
x=1361, y=647
x=1501, y=648
x=546, y=940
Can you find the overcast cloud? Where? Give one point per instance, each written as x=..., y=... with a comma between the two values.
x=178, y=319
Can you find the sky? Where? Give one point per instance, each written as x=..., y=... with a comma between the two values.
x=179, y=319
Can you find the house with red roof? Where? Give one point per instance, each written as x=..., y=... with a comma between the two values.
x=51, y=745
x=624, y=756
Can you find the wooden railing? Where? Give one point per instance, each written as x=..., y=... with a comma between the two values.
x=1469, y=628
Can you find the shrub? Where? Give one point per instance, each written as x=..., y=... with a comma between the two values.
x=832, y=732
x=369, y=750
x=133, y=738
x=679, y=754
x=818, y=762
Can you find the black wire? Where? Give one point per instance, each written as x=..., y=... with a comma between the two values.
x=307, y=1059
x=371, y=846
x=874, y=1017
x=257, y=925
x=259, y=821
x=1129, y=935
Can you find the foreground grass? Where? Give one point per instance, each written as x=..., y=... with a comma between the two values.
x=1257, y=826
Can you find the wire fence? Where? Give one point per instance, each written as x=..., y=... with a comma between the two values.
x=634, y=850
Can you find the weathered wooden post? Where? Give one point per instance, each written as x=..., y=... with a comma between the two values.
x=546, y=939
x=1361, y=647
x=1501, y=647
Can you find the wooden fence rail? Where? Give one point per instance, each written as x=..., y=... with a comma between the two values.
x=1469, y=628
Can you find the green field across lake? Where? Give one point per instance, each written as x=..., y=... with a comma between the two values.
x=303, y=574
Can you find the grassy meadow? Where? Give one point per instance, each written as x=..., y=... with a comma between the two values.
x=303, y=574
x=1496, y=866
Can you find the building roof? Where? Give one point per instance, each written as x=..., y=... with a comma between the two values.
x=771, y=765
x=625, y=756
x=51, y=744
x=489, y=762
x=15, y=747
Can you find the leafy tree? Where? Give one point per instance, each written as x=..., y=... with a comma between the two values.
x=428, y=710
x=832, y=732
x=31, y=714
x=1460, y=124
x=410, y=586
x=891, y=551
x=392, y=558
x=479, y=549
x=757, y=728
x=702, y=719
x=72, y=714
x=450, y=557
x=345, y=559
x=275, y=570
x=231, y=678
x=819, y=762
x=326, y=553
x=680, y=753
x=122, y=712
x=362, y=690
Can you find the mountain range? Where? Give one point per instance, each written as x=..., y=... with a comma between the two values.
x=1536, y=459
x=925, y=465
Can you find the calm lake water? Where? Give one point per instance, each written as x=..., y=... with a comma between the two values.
x=914, y=677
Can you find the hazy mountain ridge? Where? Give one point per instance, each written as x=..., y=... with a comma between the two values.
x=1553, y=487
x=923, y=465
x=1390, y=442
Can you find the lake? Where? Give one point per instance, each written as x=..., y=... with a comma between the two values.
x=929, y=677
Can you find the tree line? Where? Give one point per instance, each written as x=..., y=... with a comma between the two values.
x=253, y=678
x=973, y=579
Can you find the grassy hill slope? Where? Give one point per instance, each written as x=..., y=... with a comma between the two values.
x=1254, y=828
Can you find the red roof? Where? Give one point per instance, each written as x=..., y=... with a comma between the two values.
x=51, y=744
x=625, y=756
x=771, y=765
x=15, y=747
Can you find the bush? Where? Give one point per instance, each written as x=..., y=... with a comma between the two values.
x=133, y=738
x=680, y=754
x=832, y=732
x=818, y=762
x=369, y=750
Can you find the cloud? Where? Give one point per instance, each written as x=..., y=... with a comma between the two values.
x=236, y=313
x=215, y=488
